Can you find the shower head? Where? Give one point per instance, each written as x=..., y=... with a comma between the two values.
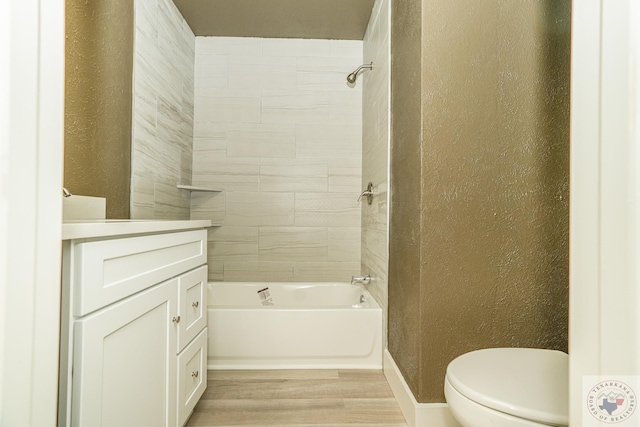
x=351, y=78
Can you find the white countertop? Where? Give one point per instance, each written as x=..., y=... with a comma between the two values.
x=119, y=227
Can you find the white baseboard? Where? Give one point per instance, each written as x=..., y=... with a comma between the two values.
x=416, y=414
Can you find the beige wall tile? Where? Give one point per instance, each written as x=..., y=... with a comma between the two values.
x=211, y=74
x=229, y=243
x=344, y=244
x=209, y=130
x=143, y=194
x=259, y=209
x=375, y=147
x=294, y=178
x=228, y=182
x=163, y=111
x=298, y=160
x=215, y=269
x=259, y=271
x=292, y=243
x=145, y=109
x=211, y=162
x=296, y=47
x=327, y=210
x=261, y=140
x=344, y=179
x=213, y=148
x=172, y=125
x=345, y=108
x=170, y=202
x=228, y=109
x=141, y=211
x=328, y=141
x=229, y=45
x=329, y=271
x=295, y=107
x=156, y=160
x=213, y=169
x=208, y=205
x=262, y=72
x=146, y=18
x=374, y=252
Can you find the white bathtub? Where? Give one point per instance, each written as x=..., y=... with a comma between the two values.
x=309, y=326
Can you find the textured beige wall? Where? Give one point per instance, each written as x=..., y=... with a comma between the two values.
x=404, y=330
x=493, y=217
x=99, y=55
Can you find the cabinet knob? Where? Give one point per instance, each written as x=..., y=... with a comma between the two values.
x=195, y=304
x=194, y=374
x=175, y=319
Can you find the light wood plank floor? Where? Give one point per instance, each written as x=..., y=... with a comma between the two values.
x=300, y=398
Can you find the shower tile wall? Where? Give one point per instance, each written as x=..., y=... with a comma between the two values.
x=163, y=111
x=375, y=156
x=280, y=131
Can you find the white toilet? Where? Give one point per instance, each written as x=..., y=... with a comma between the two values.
x=509, y=387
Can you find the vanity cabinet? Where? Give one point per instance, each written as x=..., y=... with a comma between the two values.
x=134, y=336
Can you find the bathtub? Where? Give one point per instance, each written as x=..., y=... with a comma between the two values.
x=309, y=326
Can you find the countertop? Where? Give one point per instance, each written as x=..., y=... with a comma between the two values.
x=111, y=228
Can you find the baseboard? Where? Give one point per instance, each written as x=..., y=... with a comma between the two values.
x=416, y=414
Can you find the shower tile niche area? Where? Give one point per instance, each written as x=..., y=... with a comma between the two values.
x=279, y=130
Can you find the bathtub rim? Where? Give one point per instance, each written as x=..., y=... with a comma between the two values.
x=374, y=305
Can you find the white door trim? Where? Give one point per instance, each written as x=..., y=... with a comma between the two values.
x=31, y=149
x=605, y=204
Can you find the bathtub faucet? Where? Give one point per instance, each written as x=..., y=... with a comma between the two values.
x=364, y=280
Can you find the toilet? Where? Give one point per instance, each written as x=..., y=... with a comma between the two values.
x=509, y=387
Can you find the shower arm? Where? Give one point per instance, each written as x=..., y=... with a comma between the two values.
x=369, y=66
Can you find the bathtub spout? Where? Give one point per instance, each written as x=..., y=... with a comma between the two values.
x=364, y=280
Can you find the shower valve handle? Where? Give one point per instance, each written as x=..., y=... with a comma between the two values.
x=368, y=193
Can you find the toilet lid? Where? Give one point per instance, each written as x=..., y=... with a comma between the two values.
x=523, y=382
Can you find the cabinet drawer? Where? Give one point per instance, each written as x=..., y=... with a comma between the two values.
x=109, y=270
x=192, y=305
x=192, y=376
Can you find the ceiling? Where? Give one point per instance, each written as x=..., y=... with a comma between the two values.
x=309, y=19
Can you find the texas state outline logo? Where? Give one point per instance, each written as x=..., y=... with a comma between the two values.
x=611, y=400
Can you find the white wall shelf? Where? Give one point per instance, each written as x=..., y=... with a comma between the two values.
x=193, y=188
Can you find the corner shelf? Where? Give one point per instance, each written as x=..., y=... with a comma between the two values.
x=192, y=188
x=204, y=189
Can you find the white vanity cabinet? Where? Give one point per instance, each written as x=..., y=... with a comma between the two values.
x=134, y=335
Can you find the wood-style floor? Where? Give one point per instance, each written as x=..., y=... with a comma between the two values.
x=300, y=398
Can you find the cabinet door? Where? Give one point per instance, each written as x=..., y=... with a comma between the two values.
x=192, y=305
x=192, y=376
x=125, y=362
